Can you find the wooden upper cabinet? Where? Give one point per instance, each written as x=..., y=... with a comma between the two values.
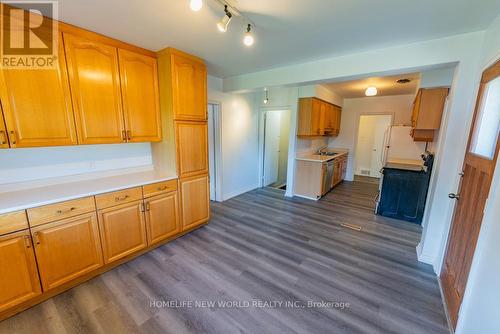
x=95, y=87
x=189, y=87
x=37, y=106
x=67, y=249
x=195, y=201
x=192, y=148
x=4, y=139
x=18, y=273
x=427, y=112
x=139, y=84
x=123, y=230
x=318, y=118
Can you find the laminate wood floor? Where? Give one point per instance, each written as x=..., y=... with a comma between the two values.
x=263, y=248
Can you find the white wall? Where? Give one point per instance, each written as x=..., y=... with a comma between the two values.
x=284, y=143
x=481, y=304
x=398, y=105
x=239, y=140
x=26, y=164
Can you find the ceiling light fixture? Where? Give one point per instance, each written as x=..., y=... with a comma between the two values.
x=371, y=91
x=266, y=100
x=248, y=39
x=224, y=22
x=196, y=5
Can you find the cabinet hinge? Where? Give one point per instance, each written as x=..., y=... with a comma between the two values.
x=143, y=207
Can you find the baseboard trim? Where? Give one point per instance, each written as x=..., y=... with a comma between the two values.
x=306, y=197
x=445, y=306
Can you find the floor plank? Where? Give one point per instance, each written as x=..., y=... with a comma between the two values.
x=263, y=247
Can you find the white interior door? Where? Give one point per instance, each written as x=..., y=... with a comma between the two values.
x=271, y=146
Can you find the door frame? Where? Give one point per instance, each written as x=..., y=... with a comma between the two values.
x=262, y=138
x=356, y=134
x=217, y=149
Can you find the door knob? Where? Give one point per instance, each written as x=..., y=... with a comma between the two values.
x=454, y=196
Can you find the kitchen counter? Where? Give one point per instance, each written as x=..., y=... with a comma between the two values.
x=321, y=158
x=60, y=192
x=405, y=164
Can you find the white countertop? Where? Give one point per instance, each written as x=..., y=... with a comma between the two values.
x=321, y=158
x=60, y=192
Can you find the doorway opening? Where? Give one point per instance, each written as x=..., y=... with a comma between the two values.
x=214, y=151
x=276, y=140
x=370, y=148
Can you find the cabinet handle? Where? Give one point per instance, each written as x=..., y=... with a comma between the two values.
x=13, y=137
x=36, y=238
x=129, y=135
x=66, y=211
x=162, y=188
x=124, y=136
x=27, y=241
x=143, y=208
x=148, y=207
x=121, y=198
x=4, y=141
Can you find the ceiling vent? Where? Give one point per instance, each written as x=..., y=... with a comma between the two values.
x=403, y=81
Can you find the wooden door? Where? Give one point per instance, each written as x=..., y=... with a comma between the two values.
x=192, y=148
x=37, y=105
x=95, y=88
x=189, y=88
x=162, y=217
x=141, y=102
x=4, y=139
x=195, y=197
x=479, y=164
x=123, y=231
x=67, y=249
x=19, y=280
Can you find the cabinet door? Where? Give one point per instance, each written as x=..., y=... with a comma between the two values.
x=18, y=274
x=123, y=230
x=162, y=217
x=337, y=118
x=67, y=249
x=189, y=88
x=192, y=148
x=95, y=88
x=195, y=207
x=317, y=118
x=37, y=106
x=141, y=104
x=4, y=140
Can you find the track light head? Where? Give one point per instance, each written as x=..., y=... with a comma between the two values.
x=196, y=5
x=224, y=22
x=248, y=40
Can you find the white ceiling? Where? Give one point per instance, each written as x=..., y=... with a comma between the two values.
x=288, y=31
x=385, y=86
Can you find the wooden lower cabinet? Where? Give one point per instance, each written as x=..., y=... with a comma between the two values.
x=195, y=201
x=67, y=249
x=18, y=273
x=162, y=217
x=123, y=230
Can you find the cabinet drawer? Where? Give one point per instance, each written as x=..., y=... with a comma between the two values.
x=159, y=188
x=13, y=222
x=53, y=212
x=118, y=197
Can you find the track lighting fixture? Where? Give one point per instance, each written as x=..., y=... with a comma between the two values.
x=224, y=22
x=248, y=39
x=196, y=5
x=266, y=100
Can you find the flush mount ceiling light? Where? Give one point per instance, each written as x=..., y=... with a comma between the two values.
x=248, y=39
x=224, y=22
x=196, y=5
x=371, y=91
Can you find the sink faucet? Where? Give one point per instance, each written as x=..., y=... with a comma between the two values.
x=321, y=149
